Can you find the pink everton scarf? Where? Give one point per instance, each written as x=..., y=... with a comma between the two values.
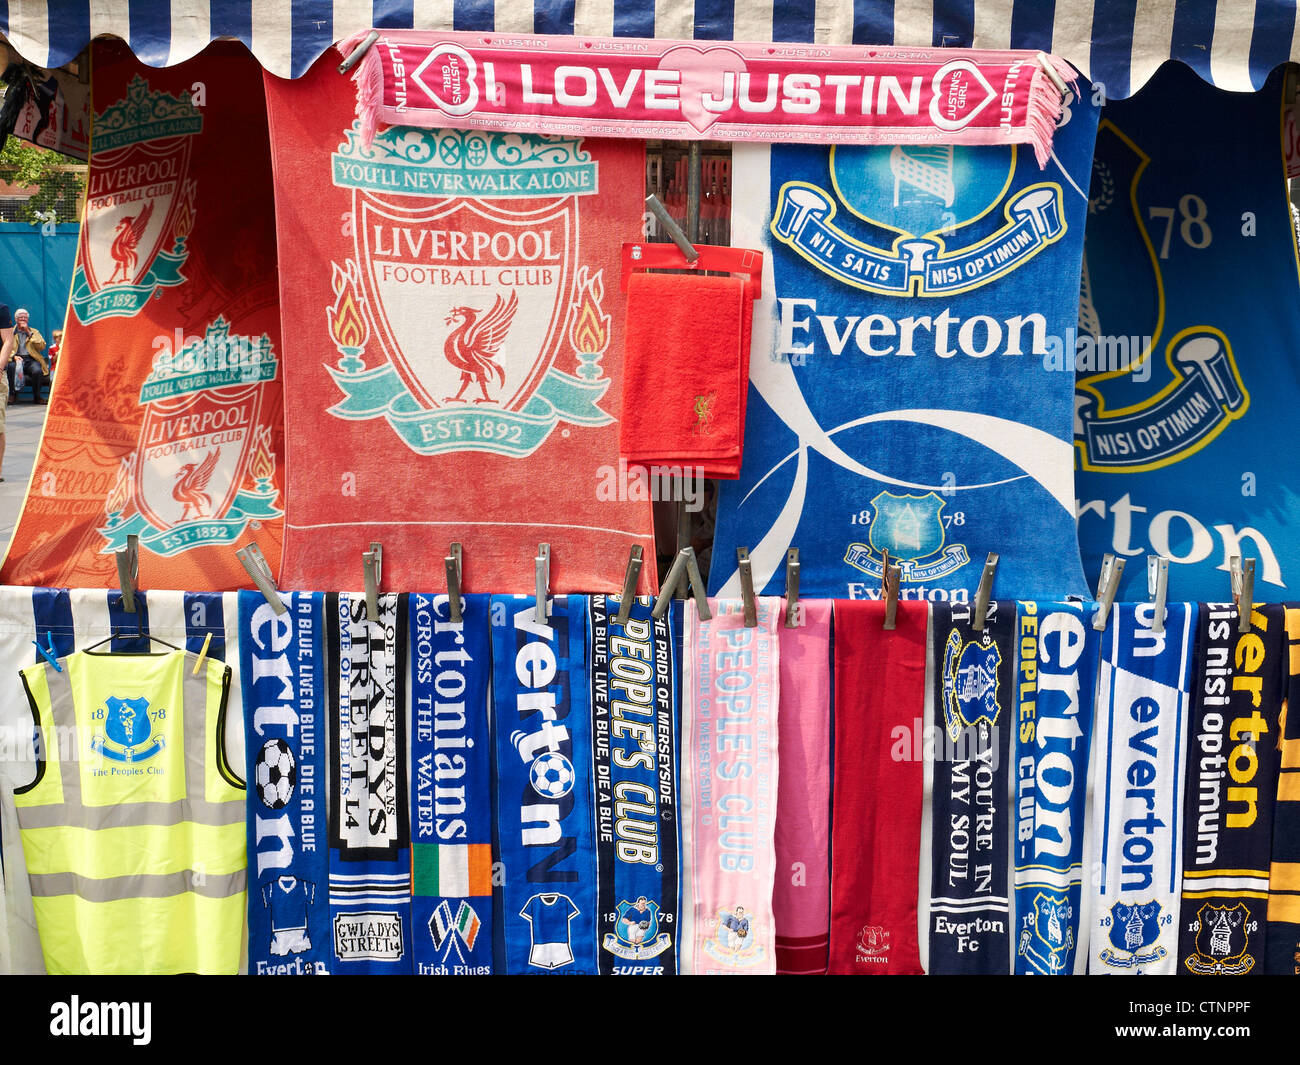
x=730, y=690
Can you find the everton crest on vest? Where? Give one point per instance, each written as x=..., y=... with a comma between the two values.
x=1058, y=649
x=541, y=689
x=633, y=704
x=972, y=699
x=1232, y=769
x=370, y=843
x=1142, y=709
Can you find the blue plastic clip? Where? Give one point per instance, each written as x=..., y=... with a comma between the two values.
x=48, y=653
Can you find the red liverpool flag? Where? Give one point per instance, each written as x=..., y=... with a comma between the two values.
x=165, y=422
x=453, y=299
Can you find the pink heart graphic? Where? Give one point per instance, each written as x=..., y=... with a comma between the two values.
x=701, y=72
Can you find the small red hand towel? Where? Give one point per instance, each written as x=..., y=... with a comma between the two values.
x=876, y=814
x=686, y=372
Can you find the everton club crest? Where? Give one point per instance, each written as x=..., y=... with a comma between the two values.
x=1134, y=930
x=127, y=730
x=936, y=195
x=1222, y=941
x=1140, y=411
x=464, y=319
x=910, y=529
x=139, y=203
x=204, y=467
x=1047, y=938
x=970, y=683
x=636, y=934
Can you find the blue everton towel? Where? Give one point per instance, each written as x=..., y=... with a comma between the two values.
x=634, y=712
x=451, y=787
x=908, y=391
x=370, y=841
x=545, y=837
x=1056, y=676
x=281, y=665
x=1189, y=284
x=1143, y=705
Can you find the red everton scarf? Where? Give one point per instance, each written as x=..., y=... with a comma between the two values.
x=454, y=299
x=876, y=838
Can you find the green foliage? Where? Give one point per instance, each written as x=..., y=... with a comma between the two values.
x=59, y=186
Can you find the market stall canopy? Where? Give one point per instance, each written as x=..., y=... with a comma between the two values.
x=1119, y=43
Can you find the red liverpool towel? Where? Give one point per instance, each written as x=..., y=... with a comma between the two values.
x=686, y=372
x=876, y=839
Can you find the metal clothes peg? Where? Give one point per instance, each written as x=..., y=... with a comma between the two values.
x=259, y=570
x=747, y=587
x=698, y=589
x=1158, y=588
x=542, y=575
x=669, y=586
x=792, y=588
x=984, y=593
x=673, y=230
x=890, y=576
x=357, y=53
x=128, y=571
x=372, y=572
x=1243, y=590
x=633, y=574
x=1112, y=569
x=684, y=567
x=453, y=563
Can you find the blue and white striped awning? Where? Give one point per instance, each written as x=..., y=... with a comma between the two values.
x=1231, y=43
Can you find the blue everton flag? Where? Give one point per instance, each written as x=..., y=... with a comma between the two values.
x=542, y=696
x=451, y=787
x=909, y=394
x=1189, y=321
x=281, y=665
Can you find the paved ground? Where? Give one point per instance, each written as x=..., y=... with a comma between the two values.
x=22, y=434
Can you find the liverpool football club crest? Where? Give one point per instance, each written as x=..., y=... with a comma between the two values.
x=1047, y=935
x=125, y=730
x=1222, y=941
x=1134, y=929
x=636, y=934
x=970, y=683
x=1141, y=411
x=910, y=530
x=204, y=467
x=937, y=194
x=465, y=319
x=140, y=203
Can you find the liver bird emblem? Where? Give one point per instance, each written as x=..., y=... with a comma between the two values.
x=473, y=345
x=129, y=231
x=191, y=480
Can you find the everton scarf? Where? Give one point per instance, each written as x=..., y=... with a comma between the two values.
x=178, y=438
x=282, y=670
x=973, y=720
x=541, y=688
x=801, y=896
x=468, y=326
x=730, y=692
x=451, y=789
x=876, y=834
x=1189, y=292
x=1283, y=942
x=1056, y=677
x=1232, y=774
x=1143, y=693
x=370, y=844
x=909, y=386
x=634, y=718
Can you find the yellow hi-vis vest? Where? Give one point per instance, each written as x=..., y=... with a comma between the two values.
x=133, y=829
